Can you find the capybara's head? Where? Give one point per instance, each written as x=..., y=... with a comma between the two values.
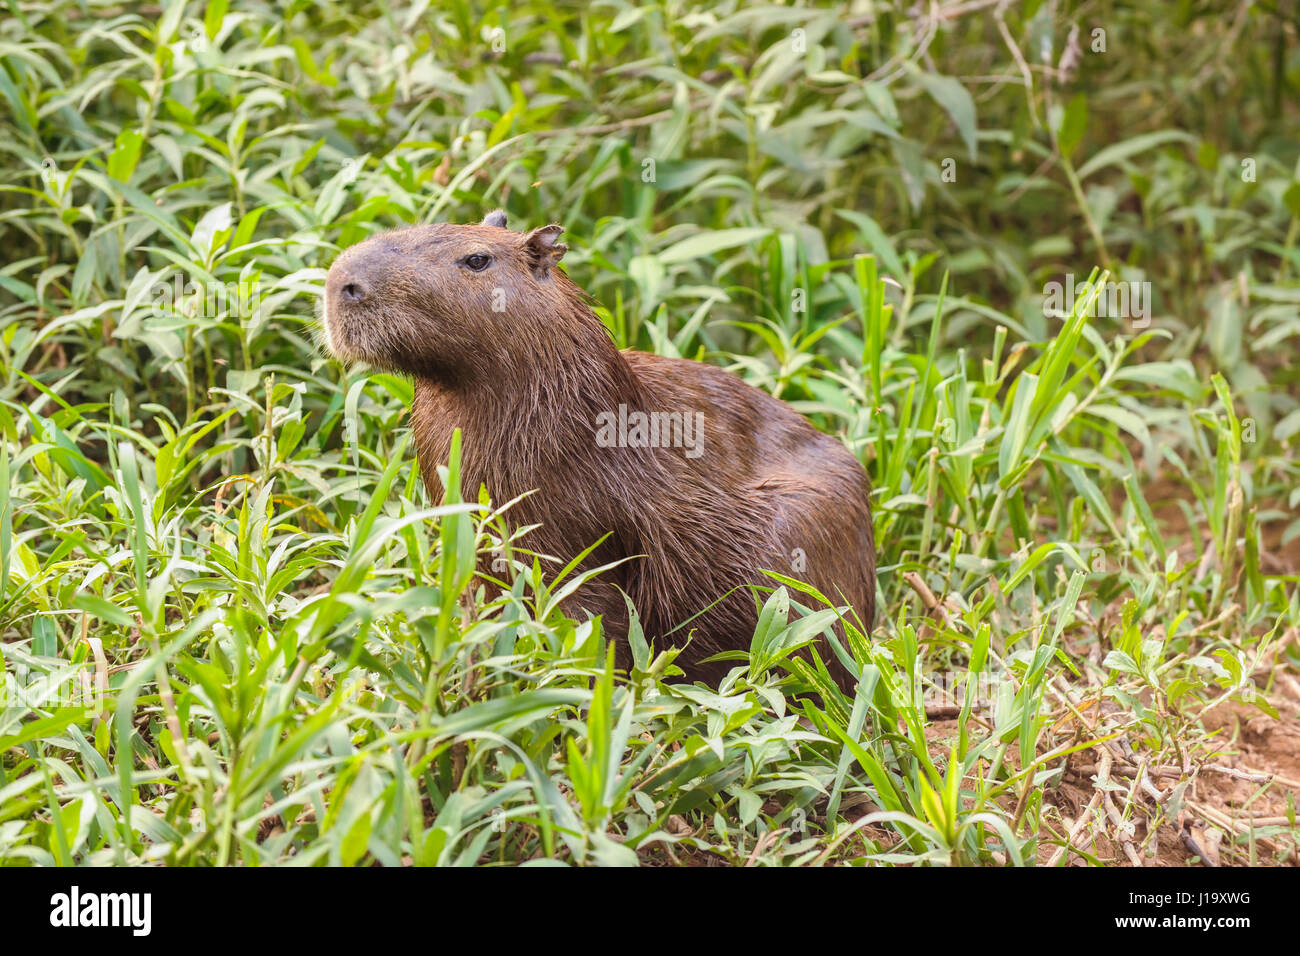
x=446, y=302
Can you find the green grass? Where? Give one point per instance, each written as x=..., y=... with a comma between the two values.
x=1079, y=517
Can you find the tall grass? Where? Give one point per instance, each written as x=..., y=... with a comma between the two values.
x=235, y=629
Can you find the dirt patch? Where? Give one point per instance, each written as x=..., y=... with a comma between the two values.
x=1255, y=793
x=1234, y=807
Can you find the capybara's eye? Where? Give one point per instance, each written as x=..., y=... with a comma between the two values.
x=478, y=262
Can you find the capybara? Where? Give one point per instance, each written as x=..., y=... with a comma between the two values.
x=699, y=480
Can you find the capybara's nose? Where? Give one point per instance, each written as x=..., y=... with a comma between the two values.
x=345, y=286
x=353, y=292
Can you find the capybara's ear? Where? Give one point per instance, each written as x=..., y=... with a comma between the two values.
x=497, y=217
x=543, y=249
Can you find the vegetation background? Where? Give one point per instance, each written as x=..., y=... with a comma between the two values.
x=235, y=629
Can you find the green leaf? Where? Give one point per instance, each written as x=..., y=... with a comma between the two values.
x=956, y=102
x=875, y=236
x=706, y=243
x=125, y=155
x=1074, y=123
x=213, y=16
x=1127, y=149
x=353, y=846
x=105, y=610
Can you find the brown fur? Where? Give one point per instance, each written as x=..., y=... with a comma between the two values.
x=526, y=384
